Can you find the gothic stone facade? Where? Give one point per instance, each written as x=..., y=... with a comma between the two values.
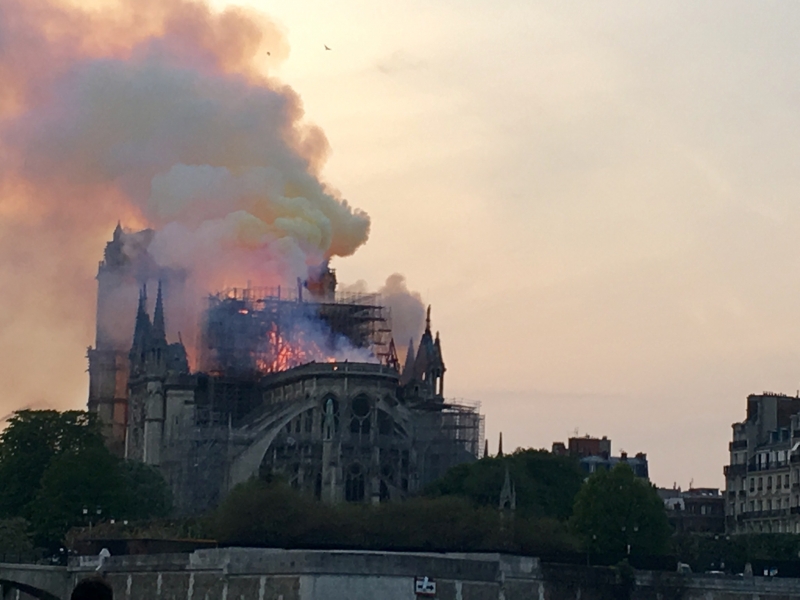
x=340, y=431
x=346, y=431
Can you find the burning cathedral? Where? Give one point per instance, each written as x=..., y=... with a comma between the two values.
x=303, y=382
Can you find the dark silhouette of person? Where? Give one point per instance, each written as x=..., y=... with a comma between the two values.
x=92, y=588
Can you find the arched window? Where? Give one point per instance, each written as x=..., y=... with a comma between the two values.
x=354, y=484
x=360, y=421
x=329, y=423
x=384, y=491
x=361, y=407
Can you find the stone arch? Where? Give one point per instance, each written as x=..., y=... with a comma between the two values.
x=7, y=585
x=39, y=581
x=248, y=462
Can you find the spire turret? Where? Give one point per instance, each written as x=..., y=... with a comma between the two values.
x=508, y=495
x=143, y=324
x=150, y=353
x=142, y=329
x=428, y=364
x=408, y=367
x=159, y=329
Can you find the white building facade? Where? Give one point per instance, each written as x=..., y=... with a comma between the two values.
x=762, y=480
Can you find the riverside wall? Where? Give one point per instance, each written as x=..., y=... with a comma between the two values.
x=273, y=574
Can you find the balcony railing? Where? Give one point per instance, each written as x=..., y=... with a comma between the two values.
x=771, y=466
x=768, y=514
x=737, y=445
x=735, y=470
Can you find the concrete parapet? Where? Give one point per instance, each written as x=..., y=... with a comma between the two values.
x=698, y=584
x=274, y=574
x=39, y=581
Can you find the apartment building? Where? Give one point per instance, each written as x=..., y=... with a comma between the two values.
x=762, y=480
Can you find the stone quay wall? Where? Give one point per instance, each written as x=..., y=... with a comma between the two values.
x=274, y=574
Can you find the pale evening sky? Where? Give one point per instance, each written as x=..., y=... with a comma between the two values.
x=599, y=200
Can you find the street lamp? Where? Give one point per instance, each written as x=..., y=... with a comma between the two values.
x=627, y=538
x=88, y=517
x=592, y=546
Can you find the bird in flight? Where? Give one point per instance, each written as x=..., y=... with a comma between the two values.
x=326, y=48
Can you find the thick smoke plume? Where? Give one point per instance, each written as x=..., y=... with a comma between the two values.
x=406, y=306
x=408, y=312
x=161, y=113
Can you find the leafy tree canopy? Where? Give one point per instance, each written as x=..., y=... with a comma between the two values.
x=545, y=484
x=147, y=495
x=14, y=537
x=56, y=471
x=30, y=442
x=73, y=481
x=274, y=514
x=617, y=513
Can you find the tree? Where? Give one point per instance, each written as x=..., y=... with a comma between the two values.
x=14, y=537
x=274, y=514
x=30, y=442
x=56, y=471
x=447, y=523
x=146, y=493
x=618, y=514
x=76, y=480
x=545, y=484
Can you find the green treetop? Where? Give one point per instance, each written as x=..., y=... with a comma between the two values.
x=545, y=484
x=56, y=472
x=618, y=514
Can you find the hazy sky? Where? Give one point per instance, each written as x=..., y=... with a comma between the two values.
x=599, y=200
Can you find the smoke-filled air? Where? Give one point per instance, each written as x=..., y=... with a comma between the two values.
x=161, y=114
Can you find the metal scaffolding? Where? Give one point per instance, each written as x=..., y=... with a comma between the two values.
x=449, y=433
x=265, y=330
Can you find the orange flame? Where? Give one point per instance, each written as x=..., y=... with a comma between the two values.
x=289, y=352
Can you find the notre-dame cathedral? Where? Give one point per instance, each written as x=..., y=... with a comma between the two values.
x=300, y=382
